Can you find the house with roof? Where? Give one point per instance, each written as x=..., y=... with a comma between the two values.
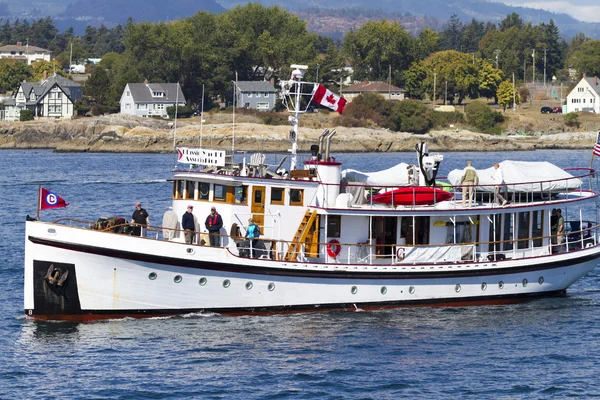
x=28, y=54
x=257, y=95
x=52, y=97
x=390, y=92
x=151, y=99
x=585, y=96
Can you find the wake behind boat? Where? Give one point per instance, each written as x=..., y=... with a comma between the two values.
x=324, y=242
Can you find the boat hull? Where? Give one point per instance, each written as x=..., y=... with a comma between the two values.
x=132, y=277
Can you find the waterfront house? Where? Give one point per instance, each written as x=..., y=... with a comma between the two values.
x=52, y=97
x=257, y=95
x=585, y=96
x=28, y=54
x=390, y=92
x=150, y=99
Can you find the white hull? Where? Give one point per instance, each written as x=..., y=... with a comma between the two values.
x=112, y=278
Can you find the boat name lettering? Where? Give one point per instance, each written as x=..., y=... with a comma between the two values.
x=189, y=155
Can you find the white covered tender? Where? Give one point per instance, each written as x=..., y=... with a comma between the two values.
x=523, y=177
x=399, y=175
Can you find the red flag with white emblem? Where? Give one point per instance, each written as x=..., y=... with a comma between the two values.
x=327, y=98
x=50, y=200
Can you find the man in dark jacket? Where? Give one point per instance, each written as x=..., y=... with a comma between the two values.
x=140, y=219
x=188, y=224
x=214, y=223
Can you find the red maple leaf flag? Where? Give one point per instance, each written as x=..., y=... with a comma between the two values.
x=327, y=98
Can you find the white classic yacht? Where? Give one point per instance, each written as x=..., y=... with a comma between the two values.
x=330, y=239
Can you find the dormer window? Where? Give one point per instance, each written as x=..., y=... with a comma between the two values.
x=158, y=94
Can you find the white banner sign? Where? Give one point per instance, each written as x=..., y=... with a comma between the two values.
x=190, y=155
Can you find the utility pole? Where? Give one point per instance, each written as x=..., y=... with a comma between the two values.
x=390, y=82
x=497, y=53
x=545, y=67
x=71, y=59
x=446, y=94
x=533, y=67
x=317, y=80
x=525, y=70
x=434, y=77
x=514, y=95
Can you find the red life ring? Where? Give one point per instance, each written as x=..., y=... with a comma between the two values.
x=400, y=254
x=333, y=248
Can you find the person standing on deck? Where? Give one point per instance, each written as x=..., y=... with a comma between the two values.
x=469, y=180
x=498, y=178
x=252, y=234
x=560, y=230
x=140, y=219
x=189, y=225
x=214, y=223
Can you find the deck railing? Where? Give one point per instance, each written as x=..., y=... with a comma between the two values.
x=380, y=254
x=583, y=179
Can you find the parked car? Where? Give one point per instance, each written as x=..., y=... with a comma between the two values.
x=546, y=110
x=557, y=110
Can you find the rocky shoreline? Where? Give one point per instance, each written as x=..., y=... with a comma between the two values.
x=125, y=134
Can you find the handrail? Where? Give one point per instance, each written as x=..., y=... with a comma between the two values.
x=584, y=235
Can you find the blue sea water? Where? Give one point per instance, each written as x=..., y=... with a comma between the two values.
x=548, y=348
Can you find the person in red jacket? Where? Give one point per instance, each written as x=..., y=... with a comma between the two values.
x=214, y=223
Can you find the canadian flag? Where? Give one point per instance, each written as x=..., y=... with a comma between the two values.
x=327, y=98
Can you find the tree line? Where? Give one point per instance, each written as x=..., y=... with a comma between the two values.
x=207, y=50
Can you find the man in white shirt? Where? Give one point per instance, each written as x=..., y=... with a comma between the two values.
x=498, y=178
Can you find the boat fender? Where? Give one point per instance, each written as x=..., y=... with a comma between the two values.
x=333, y=248
x=400, y=254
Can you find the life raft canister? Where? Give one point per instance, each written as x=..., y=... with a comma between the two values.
x=333, y=248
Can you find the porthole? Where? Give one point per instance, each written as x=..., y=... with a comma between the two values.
x=177, y=279
x=202, y=281
x=501, y=285
x=353, y=290
x=152, y=276
x=457, y=288
x=189, y=250
x=383, y=290
x=483, y=286
x=248, y=285
x=271, y=287
x=411, y=289
x=541, y=280
x=524, y=282
x=226, y=283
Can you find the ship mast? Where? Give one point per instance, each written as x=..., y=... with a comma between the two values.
x=292, y=96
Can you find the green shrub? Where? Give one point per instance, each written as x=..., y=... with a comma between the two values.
x=572, y=119
x=82, y=106
x=444, y=119
x=99, y=109
x=273, y=118
x=26, y=115
x=182, y=111
x=483, y=118
x=411, y=116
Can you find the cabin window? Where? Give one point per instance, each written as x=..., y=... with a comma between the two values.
x=190, y=188
x=277, y=195
x=523, y=227
x=219, y=193
x=204, y=191
x=508, y=232
x=334, y=226
x=177, y=189
x=296, y=197
x=495, y=233
x=537, y=228
x=241, y=195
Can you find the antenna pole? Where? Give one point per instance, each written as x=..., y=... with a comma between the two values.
x=175, y=125
x=234, y=103
x=201, y=115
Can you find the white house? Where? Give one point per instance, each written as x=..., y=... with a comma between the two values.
x=52, y=97
x=390, y=92
x=585, y=96
x=28, y=54
x=150, y=99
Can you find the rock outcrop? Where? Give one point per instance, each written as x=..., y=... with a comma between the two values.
x=121, y=133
